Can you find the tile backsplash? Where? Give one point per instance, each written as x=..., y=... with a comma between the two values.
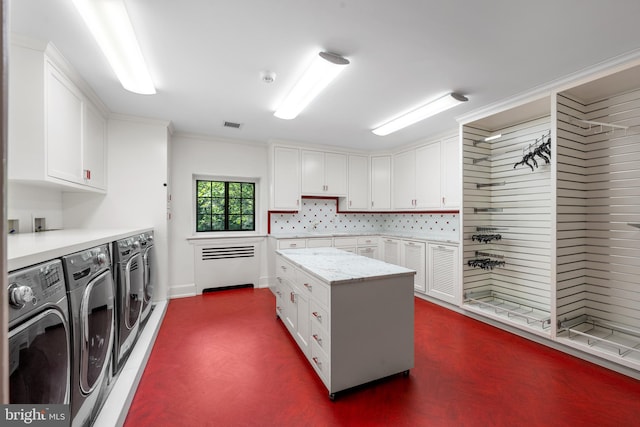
x=321, y=216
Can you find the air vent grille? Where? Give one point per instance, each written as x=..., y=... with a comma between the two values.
x=232, y=125
x=209, y=254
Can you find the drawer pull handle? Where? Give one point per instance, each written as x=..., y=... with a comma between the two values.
x=317, y=362
x=318, y=339
x=293, y=245
x=284, y=268
x=292, y=297
x=278, y=308
x=317, y=316
x=308, y=286
x=279, y=294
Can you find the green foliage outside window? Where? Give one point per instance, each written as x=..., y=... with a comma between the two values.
x=225, y=206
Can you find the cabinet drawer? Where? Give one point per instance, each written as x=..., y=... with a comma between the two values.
x=321, y=338
x=292, y=243
x=285, y=270
x=320, y=362
x=314, y=288
x=320, y=243
x=367, y=241
x=319, y=316
x=340, y=242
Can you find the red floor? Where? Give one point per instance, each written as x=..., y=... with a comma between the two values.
x=222, y=359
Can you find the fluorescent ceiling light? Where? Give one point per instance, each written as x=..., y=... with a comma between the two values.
x=109, y=23
x=491, y=138
x=432, y=108
x=322, y=70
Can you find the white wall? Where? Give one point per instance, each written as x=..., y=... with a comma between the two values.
x=26, y=202
x=208, y=156
x=136, y=194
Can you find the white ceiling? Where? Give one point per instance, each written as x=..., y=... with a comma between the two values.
x=206, y=57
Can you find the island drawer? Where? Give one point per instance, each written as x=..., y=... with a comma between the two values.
x=314, y=287
x=285, y=270
x=320, y=243
x=319, y=316
x=320, y=362
x=321, y=337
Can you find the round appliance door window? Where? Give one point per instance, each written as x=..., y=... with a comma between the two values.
x=97, y=313
x=39, y=362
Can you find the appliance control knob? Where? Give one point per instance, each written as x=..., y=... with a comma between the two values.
x=101, y=259
x=19, y=295
x=136, y=244
x=150, y=238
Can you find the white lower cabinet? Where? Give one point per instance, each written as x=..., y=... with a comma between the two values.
x=443, y=282
x=414, y=257
x=391, y=250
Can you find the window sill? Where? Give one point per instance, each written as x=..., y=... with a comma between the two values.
x=225, y=235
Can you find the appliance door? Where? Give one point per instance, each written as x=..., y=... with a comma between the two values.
x=96, y=330
x=149, y=274
x=133, y=290
x=39, y=361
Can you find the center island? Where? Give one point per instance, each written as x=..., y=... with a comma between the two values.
x=352, y=316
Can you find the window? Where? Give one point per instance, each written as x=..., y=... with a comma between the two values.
x=225, y=206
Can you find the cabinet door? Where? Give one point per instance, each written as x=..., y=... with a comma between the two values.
x=290, y=310
x=286, y=178
x=391, y=251
x=404, y=180
x=368, y=251
x=428, y=176
x=63, y=127
x=303, y=326
x=94, y=148
x=335, y=174
x=312, y=172
x=358, y=183
x=381, y=182
x=414, y=257
x=443, y=272
x=450, y=172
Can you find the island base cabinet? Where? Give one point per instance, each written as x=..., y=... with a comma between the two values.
x=371, y=331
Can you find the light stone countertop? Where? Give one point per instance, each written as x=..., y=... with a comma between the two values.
x=397, y=235
x=335, y=266
x=25, y=249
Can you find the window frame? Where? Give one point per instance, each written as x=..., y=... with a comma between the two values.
x=226, y=180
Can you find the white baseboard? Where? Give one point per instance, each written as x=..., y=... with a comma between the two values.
x=182, y=291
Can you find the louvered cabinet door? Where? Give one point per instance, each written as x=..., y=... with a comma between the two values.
x=443, y=282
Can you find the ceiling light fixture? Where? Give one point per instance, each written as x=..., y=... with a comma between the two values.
x=322, y=70
x=434, y=107
x=493, y=137
x=110, y=25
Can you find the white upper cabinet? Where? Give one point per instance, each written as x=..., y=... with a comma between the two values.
x=450, y=166
x=57, y=130
x=324, y=174
x=427, y=177
x=358, y=197
x=380, y=182
x=285, y=178
x=404, y=180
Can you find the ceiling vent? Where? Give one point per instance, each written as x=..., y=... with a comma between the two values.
x=232, y=125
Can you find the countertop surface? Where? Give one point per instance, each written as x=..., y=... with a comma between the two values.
x=25, y=249
x=397, y=235
x=335, y=266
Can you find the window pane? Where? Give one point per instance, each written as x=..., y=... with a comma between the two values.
x=204, y=188
x=235, y=190
x=204, y=206
x=217, y=223
x=235, y=206
x=247, y=222
x=203, y=223
x=235, y=222
x=247, y=206
x=217, y=189
x=247, y=190
x=217, y=206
